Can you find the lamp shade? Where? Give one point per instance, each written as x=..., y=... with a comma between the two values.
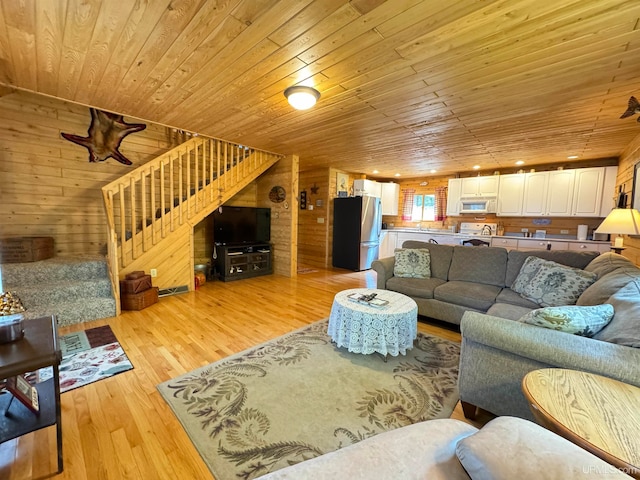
x=301, y=97
x=623, y=221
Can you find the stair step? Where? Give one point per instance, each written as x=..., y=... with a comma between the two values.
x=54, y=269
x=77, y=311
x=62, y=291
x=75, y=289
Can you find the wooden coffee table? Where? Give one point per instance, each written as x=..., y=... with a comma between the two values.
x=597, y=413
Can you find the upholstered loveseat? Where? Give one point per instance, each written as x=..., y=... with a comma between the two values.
x=448, y=449
x=465, y=279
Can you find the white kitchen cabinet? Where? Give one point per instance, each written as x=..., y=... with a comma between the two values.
x=587, y=192
x=534, y=201
x=388, y=241
x=560, y=193
x=369, y=188
x=480, y=186
x=454, y=192
x=390, y=198
x=589, y=247
x=510, y=194
x=608, y=191
x=508, y=243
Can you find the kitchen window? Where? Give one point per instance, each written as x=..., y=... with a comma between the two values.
x=424, y=208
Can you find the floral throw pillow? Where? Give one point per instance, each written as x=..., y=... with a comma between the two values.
x=551, y=284
x=412, y=263
x=584, y=321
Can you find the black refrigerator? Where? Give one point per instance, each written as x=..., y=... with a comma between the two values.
x=357, y=222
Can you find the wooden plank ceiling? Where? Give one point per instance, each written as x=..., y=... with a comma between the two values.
x=407, y=86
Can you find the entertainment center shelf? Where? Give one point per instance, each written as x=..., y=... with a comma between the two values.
x=235, y=262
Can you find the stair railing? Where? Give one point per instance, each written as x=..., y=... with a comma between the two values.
x=183, y=185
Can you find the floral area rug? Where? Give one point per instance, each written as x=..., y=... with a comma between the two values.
x=88, y=356
x=299, y=396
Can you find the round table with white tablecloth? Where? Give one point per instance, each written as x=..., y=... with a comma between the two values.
x=388, y=330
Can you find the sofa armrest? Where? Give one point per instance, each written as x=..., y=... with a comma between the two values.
x=497, y=353
x=384, y=268
x=558, y=349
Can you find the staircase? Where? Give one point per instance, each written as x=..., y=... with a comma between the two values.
x=164, y=198
x=74, y=289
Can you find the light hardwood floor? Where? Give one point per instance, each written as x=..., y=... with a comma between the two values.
x=120, y=428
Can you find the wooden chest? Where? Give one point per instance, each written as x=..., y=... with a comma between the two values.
x=138, y=301
x=135, y=285
x=25, y=249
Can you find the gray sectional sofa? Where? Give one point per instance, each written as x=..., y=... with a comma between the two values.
x=470, y=279
x=498, y=350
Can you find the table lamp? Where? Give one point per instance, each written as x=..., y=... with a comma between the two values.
x=620, y=221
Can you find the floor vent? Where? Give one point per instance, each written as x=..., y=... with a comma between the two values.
x=173, y=291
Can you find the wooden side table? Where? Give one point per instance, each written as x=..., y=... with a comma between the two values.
x=38, y=349
x=597, y=413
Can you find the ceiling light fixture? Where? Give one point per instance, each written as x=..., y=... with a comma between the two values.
x=397, y=175
x=573, y=157
x=433, y=170
x=301, y=97
x=476, y=167
x=520, y=162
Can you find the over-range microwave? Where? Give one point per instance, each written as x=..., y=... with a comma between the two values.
x=478, y=205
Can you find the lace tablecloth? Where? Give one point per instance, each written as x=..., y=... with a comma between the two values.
x=389, y=330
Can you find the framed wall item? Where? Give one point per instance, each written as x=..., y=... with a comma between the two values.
x=342, y=183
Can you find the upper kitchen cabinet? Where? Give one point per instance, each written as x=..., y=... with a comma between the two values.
x=369, y=188
x=480, y=186
x=454, y=192
x=534, y=202
x=390, y=198
x=510, y=194
x=583, y=192
x=594, y=191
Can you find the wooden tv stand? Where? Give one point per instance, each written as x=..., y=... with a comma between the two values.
x=235, y=262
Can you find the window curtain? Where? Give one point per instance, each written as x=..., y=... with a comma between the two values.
x=441, y=203
x=407, y=204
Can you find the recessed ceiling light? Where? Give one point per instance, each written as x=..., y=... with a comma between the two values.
x=397, y=175
x=433, y=170
x=302, y=97
x=520, y=162
x=573, y=157
x=476, y=167
x=376, y=171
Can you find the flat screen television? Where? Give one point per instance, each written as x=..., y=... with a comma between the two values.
x=241, y=225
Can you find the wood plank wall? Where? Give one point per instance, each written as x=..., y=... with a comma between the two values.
x=630, y=157
x=315, y=226
x=47, y=185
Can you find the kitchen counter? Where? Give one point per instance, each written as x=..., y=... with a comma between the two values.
x=394, y=238
x=443, y=231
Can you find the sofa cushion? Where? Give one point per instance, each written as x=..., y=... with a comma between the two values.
x=624, y=329
x=467, y=294
x=564, y=257
x=508, y=311
x=510, y=448
x=583, y=321
x=607, y=263
x=414, y=287
x=551, y=284
x=607, y=285
x=412, y=263
x=507, y=295
x=440, y=256
x=479, y=265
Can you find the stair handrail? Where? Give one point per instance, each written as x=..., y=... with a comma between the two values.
x=198, y=171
